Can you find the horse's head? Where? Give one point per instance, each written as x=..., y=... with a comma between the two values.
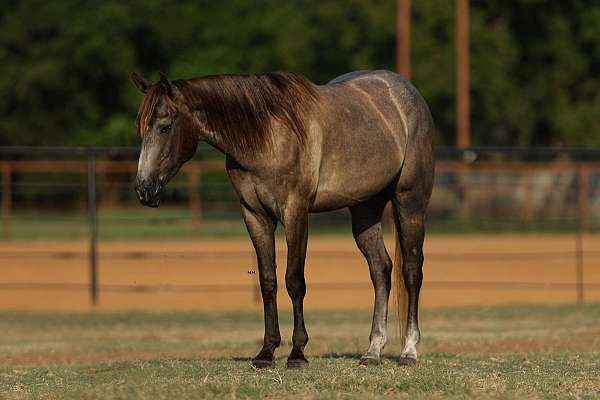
x=166, y=130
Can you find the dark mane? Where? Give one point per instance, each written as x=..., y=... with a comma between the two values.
x=240, y=108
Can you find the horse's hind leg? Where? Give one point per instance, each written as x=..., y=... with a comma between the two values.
x=367, y=231
x=410, y=202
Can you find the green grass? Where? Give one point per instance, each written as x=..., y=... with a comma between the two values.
x=174, y=222
x=135, y=223
x=509, y=352
x=143, y=223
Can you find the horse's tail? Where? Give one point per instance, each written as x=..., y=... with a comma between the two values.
x=401, y=294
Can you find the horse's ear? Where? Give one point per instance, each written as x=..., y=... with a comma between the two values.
x=173, y=92
x=140, y=82
x=168, y=85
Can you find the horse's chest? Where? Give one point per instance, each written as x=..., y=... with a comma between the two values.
x=267, y=193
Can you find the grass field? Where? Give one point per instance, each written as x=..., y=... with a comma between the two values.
x=170, y=222
x=484, y=352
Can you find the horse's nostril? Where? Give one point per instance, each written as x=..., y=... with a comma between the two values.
x=138, y=191
x=148, y=191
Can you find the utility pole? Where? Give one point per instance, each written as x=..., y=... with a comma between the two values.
x=403, y=17
x=463, y=134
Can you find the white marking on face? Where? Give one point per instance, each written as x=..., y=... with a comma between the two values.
x=148, y=161
x=142, y=163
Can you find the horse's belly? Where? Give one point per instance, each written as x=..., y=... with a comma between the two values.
x=350, y=185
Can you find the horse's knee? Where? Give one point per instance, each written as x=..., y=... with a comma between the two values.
x=268, y=288
x=295, y=285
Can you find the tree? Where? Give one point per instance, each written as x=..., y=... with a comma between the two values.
x=535, y=63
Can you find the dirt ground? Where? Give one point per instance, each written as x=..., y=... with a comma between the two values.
x=221, y=274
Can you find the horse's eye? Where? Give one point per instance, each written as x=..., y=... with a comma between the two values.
x=165, y=129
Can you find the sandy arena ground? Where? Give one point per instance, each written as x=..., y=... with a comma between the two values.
x=214, y=274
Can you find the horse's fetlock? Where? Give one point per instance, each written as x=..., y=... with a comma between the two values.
x=300, y=339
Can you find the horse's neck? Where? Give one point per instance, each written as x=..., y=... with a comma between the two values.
x=245, y=159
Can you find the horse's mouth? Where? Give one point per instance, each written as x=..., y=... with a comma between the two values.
x=153, y=201
x=150, y=196
x=153, y=204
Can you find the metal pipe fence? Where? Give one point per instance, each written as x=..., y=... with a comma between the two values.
x=476, y=190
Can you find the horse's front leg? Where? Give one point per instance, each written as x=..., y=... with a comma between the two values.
x=296, y=230
x=261, y=228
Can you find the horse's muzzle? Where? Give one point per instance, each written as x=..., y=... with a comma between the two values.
x=149, y=192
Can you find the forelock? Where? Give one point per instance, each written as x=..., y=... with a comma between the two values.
x=153, y=98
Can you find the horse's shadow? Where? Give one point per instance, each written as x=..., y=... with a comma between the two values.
x=336, y=355
x=355, y=356
x=331, y=356
x=246, y=359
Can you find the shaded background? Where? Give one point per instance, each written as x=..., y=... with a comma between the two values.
x=535, y=64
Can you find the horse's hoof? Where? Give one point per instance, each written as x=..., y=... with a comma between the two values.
x=369, y=361
x=261, y=364
x=297, y=363
x=407, y=361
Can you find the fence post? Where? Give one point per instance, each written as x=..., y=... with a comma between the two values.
x=582, y=198
x=92, y=216
x=6, y=199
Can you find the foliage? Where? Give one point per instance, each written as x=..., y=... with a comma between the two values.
x=535, y=63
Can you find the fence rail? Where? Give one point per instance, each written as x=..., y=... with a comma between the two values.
x=461, y=171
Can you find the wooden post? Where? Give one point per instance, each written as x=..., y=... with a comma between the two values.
x=92, y=216
x=582, y=216
x=463, y=135
x=6, y=199
x=194, y=195
x=403, y=21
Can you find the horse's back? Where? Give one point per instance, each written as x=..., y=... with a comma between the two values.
x=388, y=88
x=366, y=123
x=348, y=76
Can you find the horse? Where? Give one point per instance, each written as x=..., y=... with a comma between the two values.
x=293, y=148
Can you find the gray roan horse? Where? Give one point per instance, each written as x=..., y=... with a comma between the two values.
x=293, y=148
